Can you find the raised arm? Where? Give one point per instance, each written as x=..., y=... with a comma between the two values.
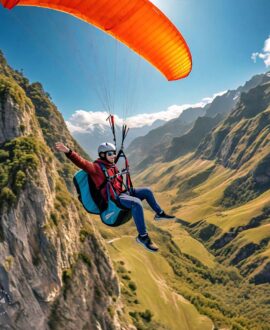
x=76, y=158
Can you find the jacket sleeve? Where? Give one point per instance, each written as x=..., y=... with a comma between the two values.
x=81, y=162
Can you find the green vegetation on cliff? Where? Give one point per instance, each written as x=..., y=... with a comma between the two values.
x=9, y=88
x=20, y=159
x=50, y=119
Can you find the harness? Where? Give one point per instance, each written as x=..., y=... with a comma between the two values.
x=109, y=178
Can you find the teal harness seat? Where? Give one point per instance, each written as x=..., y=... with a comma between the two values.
x=110, y=211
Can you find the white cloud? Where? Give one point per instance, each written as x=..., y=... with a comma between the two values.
x=207, y=100
x=173, y=111
x=83, y=121
x=265, y=55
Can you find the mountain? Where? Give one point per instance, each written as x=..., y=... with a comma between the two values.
x=232, y=142
x=240, y=143
x=54, y=271
x=222, y=104
x=225, y=103
x=174, y=142
x=188, y=142
x=146, y=149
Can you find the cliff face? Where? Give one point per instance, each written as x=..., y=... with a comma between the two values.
x=189, y=141
x=243, y=133
x=54, y=270
x=15, y=119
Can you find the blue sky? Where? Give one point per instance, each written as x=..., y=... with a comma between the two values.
x=71, y=59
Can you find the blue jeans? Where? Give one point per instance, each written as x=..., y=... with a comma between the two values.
x=134, y=203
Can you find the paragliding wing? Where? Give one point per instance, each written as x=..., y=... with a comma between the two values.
x=139, y=24
x=9, y=4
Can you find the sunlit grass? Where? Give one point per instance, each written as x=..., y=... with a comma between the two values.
x=152, y=275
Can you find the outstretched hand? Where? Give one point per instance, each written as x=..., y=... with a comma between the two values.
x=61, y=147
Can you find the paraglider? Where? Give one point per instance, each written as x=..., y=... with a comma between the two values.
x=121, y=200
x=141, y=26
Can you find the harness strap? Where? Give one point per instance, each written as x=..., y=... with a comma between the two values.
x=124, y=171
x=107, y=182
x=102, y=185
x=128, y=185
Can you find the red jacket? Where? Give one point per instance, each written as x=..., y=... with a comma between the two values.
x=97, y=174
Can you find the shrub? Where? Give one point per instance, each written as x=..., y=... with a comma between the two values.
x=132, y=286
x=3, y=177
x=125, y=277
x=4, y=154
x=121, y=269
x=66, y=278
x=7, y=196
x=20, y=180
x=146, y=315
x=54, y=217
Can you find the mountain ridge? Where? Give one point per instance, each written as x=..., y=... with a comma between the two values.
x=221, y=105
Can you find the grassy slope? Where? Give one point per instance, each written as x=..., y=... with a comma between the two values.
x=204, y=202
x=152, y=273
x=155, y=281
x=189, y=245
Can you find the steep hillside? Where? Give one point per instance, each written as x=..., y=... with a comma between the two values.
x=243, y=134
x=189, y=142
x=236, y=239
x=54, y=270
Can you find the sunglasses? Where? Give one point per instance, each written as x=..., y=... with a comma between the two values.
x=111, y=153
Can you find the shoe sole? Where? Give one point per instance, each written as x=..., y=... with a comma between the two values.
x=139, y=242
x=164, y=219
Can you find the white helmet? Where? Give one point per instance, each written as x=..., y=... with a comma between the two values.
x=105, y=147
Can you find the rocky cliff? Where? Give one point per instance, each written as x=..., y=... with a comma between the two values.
x=189, y=142
x=54, y=270
x=243, y=133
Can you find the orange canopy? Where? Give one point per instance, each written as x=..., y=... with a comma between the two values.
x=139, y=24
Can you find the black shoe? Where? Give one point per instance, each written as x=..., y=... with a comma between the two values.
x=163, y=216
x=147, y=243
